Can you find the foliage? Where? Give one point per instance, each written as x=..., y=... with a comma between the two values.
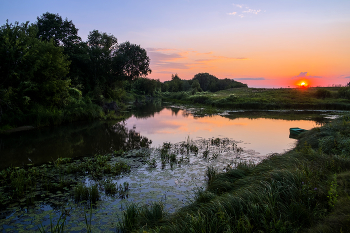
x=131, y=61
x=145, y=86
x=46, y=69
x=200, y=82
x=344, y=92
x=323, y=93
x=53, y=27
x=211, y=83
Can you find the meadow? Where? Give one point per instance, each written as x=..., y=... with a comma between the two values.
x=330, y=98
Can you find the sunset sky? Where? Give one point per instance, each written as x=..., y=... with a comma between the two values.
x=270, y=43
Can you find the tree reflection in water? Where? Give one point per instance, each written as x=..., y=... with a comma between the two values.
x=74, y=140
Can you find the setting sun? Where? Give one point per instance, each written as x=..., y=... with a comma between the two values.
x=303, y=83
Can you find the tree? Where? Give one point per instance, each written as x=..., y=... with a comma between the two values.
x=196, y=86
x=31, y=70
x=62, y=32
x=131, y=61
x=101, y=49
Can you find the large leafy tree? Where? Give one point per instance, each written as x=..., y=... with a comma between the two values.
x=31, y=70
x=64, y=34
x=131, y=61
x=101, y=49
x=53, y=27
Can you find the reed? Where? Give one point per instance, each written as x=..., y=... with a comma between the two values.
x=83, y=193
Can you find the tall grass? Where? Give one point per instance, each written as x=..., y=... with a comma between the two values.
x=83, y=193
x=141, y=217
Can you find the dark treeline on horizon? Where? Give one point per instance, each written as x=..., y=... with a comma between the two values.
x=200, y=82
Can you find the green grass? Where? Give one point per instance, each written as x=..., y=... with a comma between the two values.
x=330, y=98
x=304, y=190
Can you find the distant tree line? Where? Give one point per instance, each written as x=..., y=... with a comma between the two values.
x=200, y=82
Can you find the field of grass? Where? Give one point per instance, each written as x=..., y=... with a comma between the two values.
x=304, y=190
x=331, y=98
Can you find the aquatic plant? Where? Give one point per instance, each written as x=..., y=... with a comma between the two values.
x=216, y=141
x=211, y=173
x=194, y=149
x=84, y=193
x=129, y=219
x=145, y=217
x=206, y=153
x=110, y=187
x=55, y=228
x=152, y=163
x=173, y=158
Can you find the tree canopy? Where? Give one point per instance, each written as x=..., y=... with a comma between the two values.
x=131, y=61
x=47, y=64
x=200, y=82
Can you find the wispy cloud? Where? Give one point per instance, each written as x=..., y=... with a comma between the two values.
x=304, y=75
x=261, y=78
x=347, y=77
x=159, y=49
x=162, y=60
x=216, y=58
x=172, y=65
x=238, y=5
x=166, y=61
x=252, y=11
x=244, y=12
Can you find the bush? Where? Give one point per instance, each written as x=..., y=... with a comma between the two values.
x=323, y=93
x=199, y=99
x=344, y=92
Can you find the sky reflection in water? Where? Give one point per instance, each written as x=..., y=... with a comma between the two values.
x=262, y=135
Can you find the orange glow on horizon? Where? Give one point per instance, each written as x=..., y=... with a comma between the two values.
x=303, y=83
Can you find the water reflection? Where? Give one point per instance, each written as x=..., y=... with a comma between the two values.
x=264, y=132
x=73, y=140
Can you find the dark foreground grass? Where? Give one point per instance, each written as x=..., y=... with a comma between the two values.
x=304, y=190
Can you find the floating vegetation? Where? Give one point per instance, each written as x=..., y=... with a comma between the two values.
x=103, y=179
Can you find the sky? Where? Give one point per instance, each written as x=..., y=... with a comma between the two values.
x=270, y=43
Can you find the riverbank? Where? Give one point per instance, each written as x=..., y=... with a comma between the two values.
x=325, y=98
x=83, y=111
x=303, y=190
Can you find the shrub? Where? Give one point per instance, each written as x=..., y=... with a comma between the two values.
x=323, y=93
x=344, y=92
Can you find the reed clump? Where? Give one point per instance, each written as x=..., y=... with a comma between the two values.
x=86, y=193
x=141, y=217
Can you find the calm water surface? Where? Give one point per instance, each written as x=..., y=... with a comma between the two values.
x=258, y=133
x=264, y=132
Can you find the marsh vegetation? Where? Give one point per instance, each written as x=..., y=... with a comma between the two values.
x=135, y=186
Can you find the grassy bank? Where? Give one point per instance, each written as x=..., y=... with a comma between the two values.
x=76, y=110
x=330, y=98
x=303, y=190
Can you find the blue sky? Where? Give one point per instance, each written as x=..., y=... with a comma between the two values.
x=264, y=43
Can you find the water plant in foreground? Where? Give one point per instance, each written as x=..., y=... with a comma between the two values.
x=85, y=193
x=141, y=217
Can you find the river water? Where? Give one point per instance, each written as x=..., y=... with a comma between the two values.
x=258, y=134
